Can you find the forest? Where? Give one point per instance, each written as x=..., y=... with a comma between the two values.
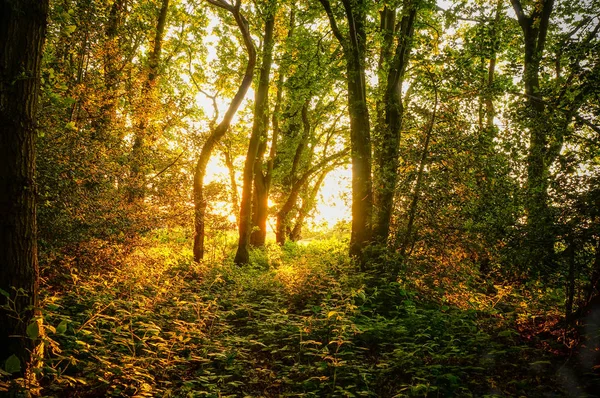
x=311, y=198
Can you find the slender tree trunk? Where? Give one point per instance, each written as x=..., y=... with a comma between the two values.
x=387, y=138
x=259, y=132
x=138, y=153
x=283, y=215
x=406, y=241
x=235, y=200
x=219, y=131
x=22, y=32
x=570, y=288
x=307, y=205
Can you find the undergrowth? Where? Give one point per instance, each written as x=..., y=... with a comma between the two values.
x=299, y=321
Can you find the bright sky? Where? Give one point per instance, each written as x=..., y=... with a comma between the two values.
x=333, y=200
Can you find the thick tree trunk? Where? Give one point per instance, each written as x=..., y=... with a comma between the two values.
x=387, y=137
x=138, y=152
x=22, y=32
x=354, y=46
x=260, y=206
x=262, y=184
x=259, y=132
x=539, y=220
x=360, y=129
x=219, y=131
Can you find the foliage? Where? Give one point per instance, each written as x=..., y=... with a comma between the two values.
x=303, y=324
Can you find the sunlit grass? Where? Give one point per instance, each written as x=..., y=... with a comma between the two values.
x=298, y=320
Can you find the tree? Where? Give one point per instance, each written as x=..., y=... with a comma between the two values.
x=259, y=133
x=354, y=45
x=263, y=169
x=22, y=33
x=219, y=131
x=138, y=151
x=539, y=220
x=390, y=112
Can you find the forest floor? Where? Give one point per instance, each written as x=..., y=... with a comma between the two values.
x=302, y=323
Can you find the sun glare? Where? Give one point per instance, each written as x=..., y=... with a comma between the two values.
x=333, y=200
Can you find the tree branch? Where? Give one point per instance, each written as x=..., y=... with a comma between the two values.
x=334, y=27
x=222, y=4
x=521, y=17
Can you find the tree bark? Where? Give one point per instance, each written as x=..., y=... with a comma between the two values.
x=387, y=138
x=138, y=152
x=219, y=131
x=259, y=133
x=22, y=33
x=354, y=47
x=539, y=221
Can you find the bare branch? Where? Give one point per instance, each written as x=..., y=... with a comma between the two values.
x=586, y=122
x=168, y=166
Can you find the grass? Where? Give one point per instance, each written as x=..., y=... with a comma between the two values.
x=298, y=321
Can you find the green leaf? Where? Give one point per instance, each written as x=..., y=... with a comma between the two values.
x=70, y=29
x=13, y=364
x=540, y=363
x=507, y=333
x=4, y=293
x=33, y=330
x=62, y=327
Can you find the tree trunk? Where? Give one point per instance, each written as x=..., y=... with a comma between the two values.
x=219, y=131
x=235, y=200
x=138, y=153
x=260, y=206
x=539, y=220
x=104, y=124
x=22, y=32
x=283, y=215
x=262, y=184
x=354, y=46
x=387, y=138
x=307, y=205
x=406, y=241
x=570, y=288
x=259, y=132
